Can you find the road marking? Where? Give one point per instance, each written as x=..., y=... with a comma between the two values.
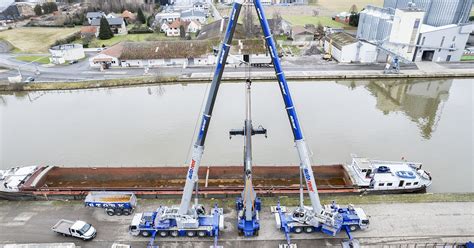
x=24, y=217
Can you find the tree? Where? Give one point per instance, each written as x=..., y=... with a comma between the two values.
x=320, y=29
x=354, y=19
x=49, y=7
x=182, y=32
x=353, y=9
x=104, y=32
x=150, y=20
x=276, y=27
x=141, y=17
x=38, y=10
x=248, y=21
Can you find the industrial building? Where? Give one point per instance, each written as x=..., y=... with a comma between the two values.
x=68, y=52
x=418, y=30
x=345, y=48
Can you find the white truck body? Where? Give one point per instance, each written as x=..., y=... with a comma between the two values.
x=78, y=229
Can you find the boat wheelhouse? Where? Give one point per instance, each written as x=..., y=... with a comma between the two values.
x=397, y=176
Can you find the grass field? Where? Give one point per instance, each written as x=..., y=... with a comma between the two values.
x=33, y=40
x=344, y=5
x=324, y=20
x=467, y=58
x=38, y=59
x=131, y=37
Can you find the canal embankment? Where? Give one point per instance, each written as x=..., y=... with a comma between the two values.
x=269, y=75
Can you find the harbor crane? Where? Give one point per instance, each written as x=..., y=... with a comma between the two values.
x=248, y=204
x=192, y=220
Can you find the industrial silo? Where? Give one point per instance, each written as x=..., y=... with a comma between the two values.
x=444, y=12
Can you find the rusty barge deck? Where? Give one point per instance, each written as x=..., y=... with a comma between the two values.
x=157, y=181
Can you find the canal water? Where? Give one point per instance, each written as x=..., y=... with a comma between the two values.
x=429, y=121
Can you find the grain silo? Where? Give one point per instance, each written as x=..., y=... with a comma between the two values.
x=438, y=12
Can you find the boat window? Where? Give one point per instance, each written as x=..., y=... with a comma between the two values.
x=381, y=184
x=408, y=184
x=389, y=184
x=416, y=183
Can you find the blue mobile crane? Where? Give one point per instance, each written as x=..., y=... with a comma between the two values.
x=192, y=220
x=248, y=204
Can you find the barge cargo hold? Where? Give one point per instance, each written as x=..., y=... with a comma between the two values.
x=216, y=181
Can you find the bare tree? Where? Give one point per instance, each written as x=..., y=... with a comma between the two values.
x=353, y=9
x=276, y=25
x=249, y=26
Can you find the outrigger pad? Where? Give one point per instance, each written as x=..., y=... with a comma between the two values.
x=287, y=246
x=274, y=209
x=350, y=243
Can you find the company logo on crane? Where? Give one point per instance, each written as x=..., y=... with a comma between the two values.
x=191, y=169
x=308, y=180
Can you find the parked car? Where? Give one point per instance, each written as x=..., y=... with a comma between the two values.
x=78, y=229
x=73, y=62
x=29, y=79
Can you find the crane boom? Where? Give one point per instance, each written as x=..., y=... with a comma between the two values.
x=198, y=148
x=303, y=153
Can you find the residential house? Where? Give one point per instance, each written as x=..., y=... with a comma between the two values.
x=191, y=14
x=25, y=9
x=200, y=6
x=128, y=16
x=94, y=15
x=193, y=26
x=168, y=15
x=300, y=33
x=345, y=48
x=280, y=27
x=215, y=30
x=112, y=15
x=174, y=28
x=89, y=31
x=342, y=17
x=164, y=27
x=117, y=25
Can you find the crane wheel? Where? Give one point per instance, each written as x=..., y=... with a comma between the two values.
x=202, y=233
x=145, y=233
x=308, y=229
x=353, y=227
x=126, y=212
x=119, y=212
x=190, y=233
x=163, y=234
x=298, y=229
x=174, y=233
x=110, y=212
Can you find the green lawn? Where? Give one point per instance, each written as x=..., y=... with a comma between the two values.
x=467, y=58
x=38, y=59
x=130, y=37
x=324, y=20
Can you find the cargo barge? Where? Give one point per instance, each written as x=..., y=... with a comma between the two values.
x=362, y=175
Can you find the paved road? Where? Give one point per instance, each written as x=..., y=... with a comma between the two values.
x=30, y=222
x=82, y=71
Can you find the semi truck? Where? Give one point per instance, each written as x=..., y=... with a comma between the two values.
x=114, y=203
x=78, y=229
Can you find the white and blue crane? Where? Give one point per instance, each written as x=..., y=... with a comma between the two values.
x=192, y=220
x=248, y=205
